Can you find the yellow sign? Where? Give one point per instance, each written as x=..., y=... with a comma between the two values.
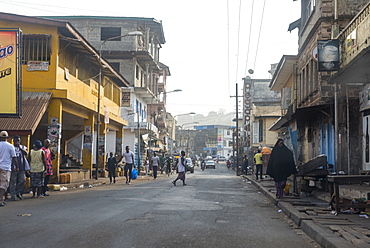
x=9, y=74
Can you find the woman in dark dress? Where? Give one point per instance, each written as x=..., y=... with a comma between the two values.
x=280, y=166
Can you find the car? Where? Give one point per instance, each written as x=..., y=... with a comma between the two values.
x=189, y=165
x=211, y=164
x=222, y=158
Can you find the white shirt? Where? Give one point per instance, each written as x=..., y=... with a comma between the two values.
x=180, y=166
x=155, y=160
x=7, y=152
x=128, y=157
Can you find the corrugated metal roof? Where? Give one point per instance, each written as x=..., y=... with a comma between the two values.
x=34, y=105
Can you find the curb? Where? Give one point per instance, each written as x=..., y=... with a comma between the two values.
x=322, y=237
x=306, y=224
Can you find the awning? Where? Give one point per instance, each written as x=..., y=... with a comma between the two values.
x=279, y=123
x=34, y=105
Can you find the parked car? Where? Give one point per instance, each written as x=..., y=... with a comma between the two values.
x=190, y=165
x=222, y=158
x=211, y=164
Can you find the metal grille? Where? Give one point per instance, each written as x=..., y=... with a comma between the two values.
x=36, y=47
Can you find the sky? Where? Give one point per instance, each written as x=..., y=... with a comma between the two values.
x=210, y=44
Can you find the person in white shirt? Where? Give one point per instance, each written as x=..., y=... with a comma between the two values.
x=129, y=159
x=155, y=163
x=8, y=159
x=180, y=163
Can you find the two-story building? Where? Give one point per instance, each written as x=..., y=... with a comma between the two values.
x=66, y=88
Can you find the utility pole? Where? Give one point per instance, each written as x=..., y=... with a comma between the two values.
x=237, y=131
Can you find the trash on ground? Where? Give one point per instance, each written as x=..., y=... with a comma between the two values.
x=23, y=214
x=280, y=211
x=90, y=186
x=63, y=188
x=81, y=186
x=364, y=216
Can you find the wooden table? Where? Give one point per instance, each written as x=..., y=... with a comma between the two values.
x=335, y=181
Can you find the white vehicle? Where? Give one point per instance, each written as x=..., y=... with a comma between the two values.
x=211, y=164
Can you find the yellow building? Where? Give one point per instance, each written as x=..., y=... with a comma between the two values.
x=61, y=81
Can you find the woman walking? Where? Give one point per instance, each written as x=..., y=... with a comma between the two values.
x=280, y=166
x=36, y=159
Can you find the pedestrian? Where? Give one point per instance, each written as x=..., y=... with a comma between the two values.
x=245, y=164
x=280, y=166
x=112, y=166
x=129, y=159
x=18, y=180
x=37, y=161
x=168, y=162
x=49, y=156
x=8, y=162
x=258, y=162
x=180, y=164
x=155, y=163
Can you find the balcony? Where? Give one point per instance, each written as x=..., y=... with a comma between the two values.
x=355, y=50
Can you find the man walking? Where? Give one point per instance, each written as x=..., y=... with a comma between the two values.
x=18, y=180
x=129, y=159
x=155, y=163
x=180, y=163
x=258, y=161
x=8, y=159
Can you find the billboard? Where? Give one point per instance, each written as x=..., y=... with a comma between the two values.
x=328, y=55
x=10, y=73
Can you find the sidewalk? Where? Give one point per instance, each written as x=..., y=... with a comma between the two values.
x=89, y=183
x=314, y=217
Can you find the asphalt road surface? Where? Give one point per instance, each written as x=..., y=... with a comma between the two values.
x=216, y=209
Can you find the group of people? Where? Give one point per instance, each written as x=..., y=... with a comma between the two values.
x=16, y=164
x=152, y=164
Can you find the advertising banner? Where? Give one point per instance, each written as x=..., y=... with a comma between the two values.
x=328, y=55
x=11, y=99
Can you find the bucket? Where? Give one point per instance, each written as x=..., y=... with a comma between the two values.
x=287, y=188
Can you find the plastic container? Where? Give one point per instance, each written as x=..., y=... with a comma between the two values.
x=287, y=188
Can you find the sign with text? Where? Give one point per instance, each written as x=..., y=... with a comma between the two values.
x=10, y=79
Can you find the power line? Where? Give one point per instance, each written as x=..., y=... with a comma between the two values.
x=259, y=34
x=237, y=53
x=249, y=38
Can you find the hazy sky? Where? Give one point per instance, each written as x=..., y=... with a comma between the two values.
x=205, y=56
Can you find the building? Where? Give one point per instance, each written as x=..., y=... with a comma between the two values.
x=137, y=59
x=261, y=109
x=66, y=89
x=213, y=140
x=321, y=101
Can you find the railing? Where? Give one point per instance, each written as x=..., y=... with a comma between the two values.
x=355, y=35
x=74, y=151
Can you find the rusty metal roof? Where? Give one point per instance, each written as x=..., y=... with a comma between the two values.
x=34, y=105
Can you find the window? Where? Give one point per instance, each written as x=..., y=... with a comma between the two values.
x=260, y=130
x=137, y=72
x=36, y=47
x=106, y=33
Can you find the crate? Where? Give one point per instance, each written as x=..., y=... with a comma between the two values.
x=65, y=178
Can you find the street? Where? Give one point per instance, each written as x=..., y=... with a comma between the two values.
x=216, y=209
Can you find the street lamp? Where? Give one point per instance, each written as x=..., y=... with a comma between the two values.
x=134, y=33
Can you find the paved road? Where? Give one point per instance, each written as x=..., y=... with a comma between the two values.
x=216, y=209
